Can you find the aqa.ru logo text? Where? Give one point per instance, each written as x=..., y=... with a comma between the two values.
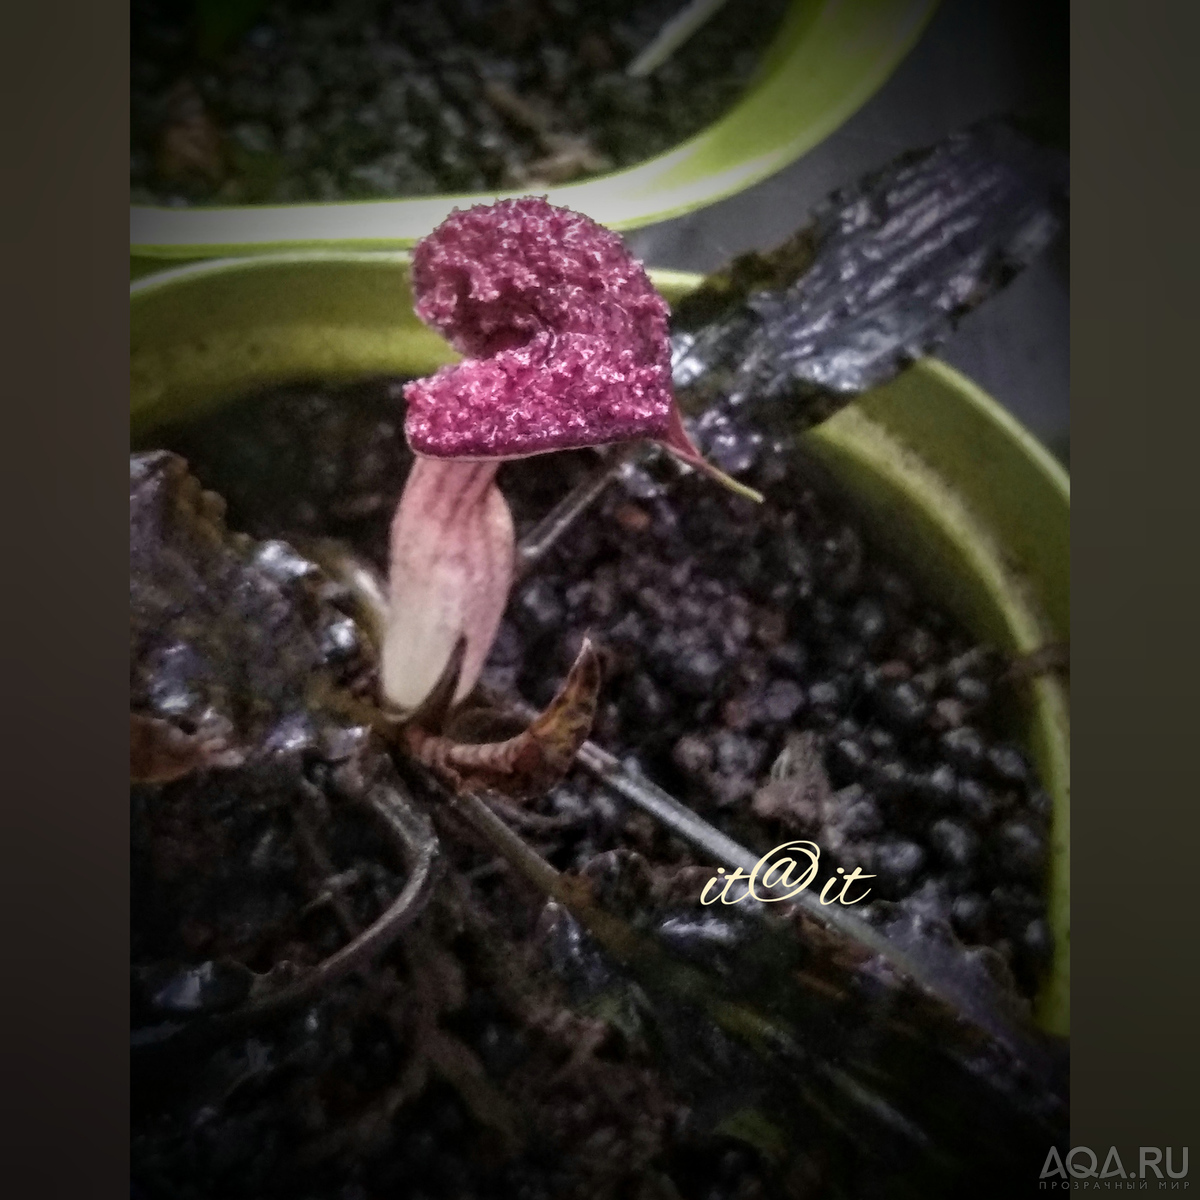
x=1081, y=1169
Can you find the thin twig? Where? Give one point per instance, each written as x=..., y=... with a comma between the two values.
x=537, y=543
x=411, y=830
x=524, y=818
x=1052, y=658
x=324, y=867
x=672, y=35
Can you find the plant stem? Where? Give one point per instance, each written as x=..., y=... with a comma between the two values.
x=410, y=830
x=672, y=35
x=538, y=542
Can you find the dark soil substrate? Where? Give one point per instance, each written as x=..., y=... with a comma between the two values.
x=355, y=100
x=735, y=638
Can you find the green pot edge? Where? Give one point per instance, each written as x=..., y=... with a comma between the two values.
x=828, y=59
x=966, y=560
x=899, y=450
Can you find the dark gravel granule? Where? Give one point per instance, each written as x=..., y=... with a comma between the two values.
x=370, y=98
x=729, y=629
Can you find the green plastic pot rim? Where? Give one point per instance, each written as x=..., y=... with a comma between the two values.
x=1004, y=541
x=876, y=465
x=1031, y=447
x=828, y=59
x=665, y=279
x=258, y=262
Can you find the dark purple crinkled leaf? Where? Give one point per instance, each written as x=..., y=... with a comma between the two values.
x=877, y=280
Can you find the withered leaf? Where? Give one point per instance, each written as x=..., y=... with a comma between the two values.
x=533, y=761
x=769, y=1018
x=189, y=148
x=160, y=752
x=1051, y=658
x=799, y=790
x=877, y=279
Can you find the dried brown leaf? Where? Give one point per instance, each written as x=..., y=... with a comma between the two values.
x=189, y=146
x=160, y=752
x=799, y=790
x=533, y=761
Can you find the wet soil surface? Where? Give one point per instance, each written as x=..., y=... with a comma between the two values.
x=766, y=665
x=355, y=100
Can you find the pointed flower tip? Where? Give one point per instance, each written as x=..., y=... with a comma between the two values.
x=680, y=444
x=728, y=481
x=701, y=464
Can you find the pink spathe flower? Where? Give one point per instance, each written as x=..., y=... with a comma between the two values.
x=565, y=344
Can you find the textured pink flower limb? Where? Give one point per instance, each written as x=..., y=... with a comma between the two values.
x=566, y=345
